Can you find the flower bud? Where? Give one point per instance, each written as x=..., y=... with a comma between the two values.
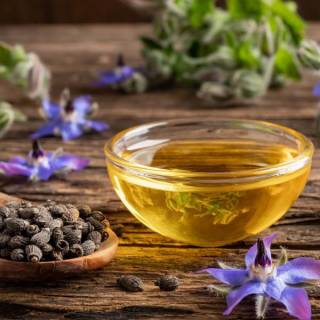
x=309, y=54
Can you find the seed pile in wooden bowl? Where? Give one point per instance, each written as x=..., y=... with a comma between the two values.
x=50, y=231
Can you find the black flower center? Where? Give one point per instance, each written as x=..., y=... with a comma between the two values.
x=120, y=60
x=37, y=151
x=262, y=258
x=69, y=108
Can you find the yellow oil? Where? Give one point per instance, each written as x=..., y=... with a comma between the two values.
x=208, y=214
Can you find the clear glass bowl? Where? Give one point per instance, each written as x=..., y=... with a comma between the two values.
x=208, y=182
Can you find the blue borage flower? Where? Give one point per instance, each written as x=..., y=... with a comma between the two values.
x=316, y=90
x=41, y=165
x=121, y=73
x=268, y=279
x=69, y=118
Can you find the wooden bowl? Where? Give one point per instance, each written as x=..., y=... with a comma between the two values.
x=28, y=271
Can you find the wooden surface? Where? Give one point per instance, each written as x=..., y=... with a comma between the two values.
x=97, y=11
x=75, y=54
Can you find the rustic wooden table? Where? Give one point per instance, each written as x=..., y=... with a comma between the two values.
x=75, y=54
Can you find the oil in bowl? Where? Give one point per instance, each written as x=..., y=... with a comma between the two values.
x=209, y=183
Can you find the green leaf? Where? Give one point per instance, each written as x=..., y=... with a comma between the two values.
x=198, y=11
x=247, y=56
x=291, y=19
x=150, y=43
x=286, y=64
x=243, y=9
x=10, y=56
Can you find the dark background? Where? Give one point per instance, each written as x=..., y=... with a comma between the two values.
x=95, y=11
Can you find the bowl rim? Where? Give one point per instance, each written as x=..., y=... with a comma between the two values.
x=298, y=162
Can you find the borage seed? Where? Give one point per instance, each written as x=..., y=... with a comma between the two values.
x=85, y=211
x=34, y=253
x=96, y=237
x=63, y=247
x=72, y=234
x=88, y=247
x=167, y=283
x=16, y=225
x=76, y=250
x=41, y=238
x=4, y=239
x=18, y=242
x=97, y=224
x=57, y=235
x=130, y=283
x=32, y=229
x=17, y=255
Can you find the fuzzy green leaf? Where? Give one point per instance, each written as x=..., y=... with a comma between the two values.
x=286, y=64
x=291, y=19
x=198, y=11
x=243, y=9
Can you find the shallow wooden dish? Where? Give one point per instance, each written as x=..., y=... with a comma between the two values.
x=27, y=271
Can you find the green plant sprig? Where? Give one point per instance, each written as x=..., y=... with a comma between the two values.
x=26, y=71
x=239, y=52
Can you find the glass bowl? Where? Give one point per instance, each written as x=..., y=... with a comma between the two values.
x=208, y=182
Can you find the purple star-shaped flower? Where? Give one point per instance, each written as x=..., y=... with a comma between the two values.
x=69, y=118
x=266, y=279
x=41, y=165
x=316, y=90
x=115, y=77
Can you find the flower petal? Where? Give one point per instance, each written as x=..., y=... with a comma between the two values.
x=19, y=160
x=69, y=162
x=299, y=270
x=316, y=90
x=51, y=109
x=115, y=77
x=96, y=125
x=46, y=130
x=71, y=130
x=235, y=296
x=252, y=252
x=41, y=172
x=82, y=104
x=13, y=169
x=295, y=299
x=233, y=277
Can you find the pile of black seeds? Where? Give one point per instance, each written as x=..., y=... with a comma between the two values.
x=50, y=232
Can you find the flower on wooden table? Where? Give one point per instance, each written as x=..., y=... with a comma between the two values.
x=41, y=165
x=69, y=119
x=123, y=77
x=281, y=280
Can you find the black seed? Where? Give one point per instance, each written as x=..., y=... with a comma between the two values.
x=167, y=283
x=88, y=247
x=18, y=242
x=95, y=236
x=41, y=238
x=63, y=247
x=130, y=283
x=17, y=255
x=84, y=210
x=32, y=229
x=16, y=225
x=4, y=239
x=76, y=250
x=33, y=253
x=57, y=235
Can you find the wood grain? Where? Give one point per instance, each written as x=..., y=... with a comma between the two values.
x=96, y=11
x=75, y=54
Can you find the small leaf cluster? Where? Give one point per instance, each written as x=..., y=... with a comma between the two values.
x=238, y=52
